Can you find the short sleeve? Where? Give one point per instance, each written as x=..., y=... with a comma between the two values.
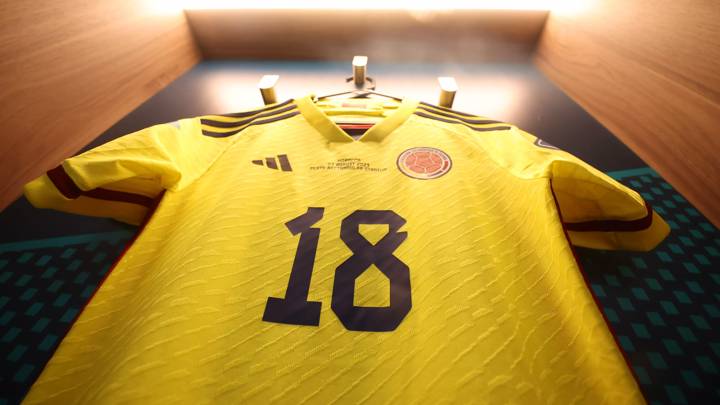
x=595, y=210
x=123, y=179
x=599, y=212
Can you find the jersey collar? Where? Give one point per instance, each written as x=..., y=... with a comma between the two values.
x=318, y=119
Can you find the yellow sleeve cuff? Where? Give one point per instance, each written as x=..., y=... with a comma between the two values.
x=42, y=193
x=643, y=240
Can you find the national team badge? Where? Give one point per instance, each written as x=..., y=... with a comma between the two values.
x=424, y=163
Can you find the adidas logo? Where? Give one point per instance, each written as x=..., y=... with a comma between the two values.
x=272, y=163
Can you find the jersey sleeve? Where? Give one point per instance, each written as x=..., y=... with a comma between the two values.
x=596, y=210
x=125, y=178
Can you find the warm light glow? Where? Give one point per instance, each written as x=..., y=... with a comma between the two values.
x=566, y=7
x=495, y=97
x=374, y=4
x=552, y=5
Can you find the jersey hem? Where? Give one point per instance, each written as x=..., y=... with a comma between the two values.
x=128, y=246
x=595, y=300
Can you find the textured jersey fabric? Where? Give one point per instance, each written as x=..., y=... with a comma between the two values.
x=283, y=261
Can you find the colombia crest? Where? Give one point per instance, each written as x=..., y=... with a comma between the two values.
x=424, y=163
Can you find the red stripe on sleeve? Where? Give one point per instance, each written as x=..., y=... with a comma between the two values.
x=613, y=225
x=67, y=187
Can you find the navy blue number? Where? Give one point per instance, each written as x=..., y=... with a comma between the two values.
x=365, y=254
x=297, y=310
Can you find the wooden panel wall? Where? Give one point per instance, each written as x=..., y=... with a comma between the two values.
x=649, y=70
x=69, y=69
x=384, y=35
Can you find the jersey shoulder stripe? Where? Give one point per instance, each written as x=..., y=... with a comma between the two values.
x=461, y=122
x=223, y=128
x=462, y=118
x=235, y=123
x=243, y=114
x=448, y=110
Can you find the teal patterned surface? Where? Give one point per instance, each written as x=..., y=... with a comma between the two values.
x=44, y=284
x=663, y=306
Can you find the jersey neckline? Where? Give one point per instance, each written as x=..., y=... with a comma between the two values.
x=318, y=119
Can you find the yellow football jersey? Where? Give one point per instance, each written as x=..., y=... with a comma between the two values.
x=284, y=261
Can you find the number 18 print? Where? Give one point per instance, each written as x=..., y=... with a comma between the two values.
x=297, y=310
